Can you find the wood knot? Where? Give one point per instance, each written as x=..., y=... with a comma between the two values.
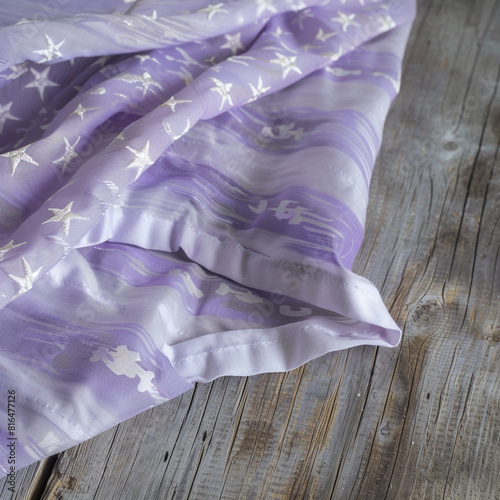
x=450, y=146
x=425, y=313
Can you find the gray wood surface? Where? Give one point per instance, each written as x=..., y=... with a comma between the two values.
x=421, y=421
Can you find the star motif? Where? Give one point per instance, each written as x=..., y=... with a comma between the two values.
x=64, y=215
x=287, y=64
x=263, y=5
x=5, y=115
x=171, y=103
x=80, y=110
x=146, y=81
x=213, y=9
x=386, y=22
x=17, y=157
x=141, y=159
x=18, y=70
x=223, y=90
x=41, y=81
x=69, y=154
x=233, y=43
x=52, y=50
x=25, y=282
x=345, y=20
x=259, y=90
x=322, y=36
x=8, y=247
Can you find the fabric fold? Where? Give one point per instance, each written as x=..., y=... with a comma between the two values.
x=183, y=192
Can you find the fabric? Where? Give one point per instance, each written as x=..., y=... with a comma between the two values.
x=183, y=190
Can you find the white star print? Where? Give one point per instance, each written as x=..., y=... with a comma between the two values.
x=5, y=115
x=141, y=159
x=41, y=81
x=223, y=90
x=52, y=50
x=25, y=282
x=263, y=5
x=146, y=81
x=171, y=103
x=17, y=157
x=386, y=22
x=213, y=9
x=233, y=43
x=69, y=154
x=345, y=20
x=64, y=215
x=80, y=111
x=259, y=90
x=18, y=70
x=322, y=36
x=8, y=247
x=287, y=64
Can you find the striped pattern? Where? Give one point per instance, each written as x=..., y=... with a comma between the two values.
x=182, y=197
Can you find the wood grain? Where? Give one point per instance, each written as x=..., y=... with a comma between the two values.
x=421, y=421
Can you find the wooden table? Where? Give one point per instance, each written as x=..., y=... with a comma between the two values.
x=421, y=421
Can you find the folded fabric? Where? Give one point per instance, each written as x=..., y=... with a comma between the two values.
x=183, y=190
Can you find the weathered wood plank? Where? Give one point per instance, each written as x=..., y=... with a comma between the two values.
x=418, y=422
x=29, y=483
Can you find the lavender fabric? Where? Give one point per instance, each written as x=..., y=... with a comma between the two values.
x=183, y=190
